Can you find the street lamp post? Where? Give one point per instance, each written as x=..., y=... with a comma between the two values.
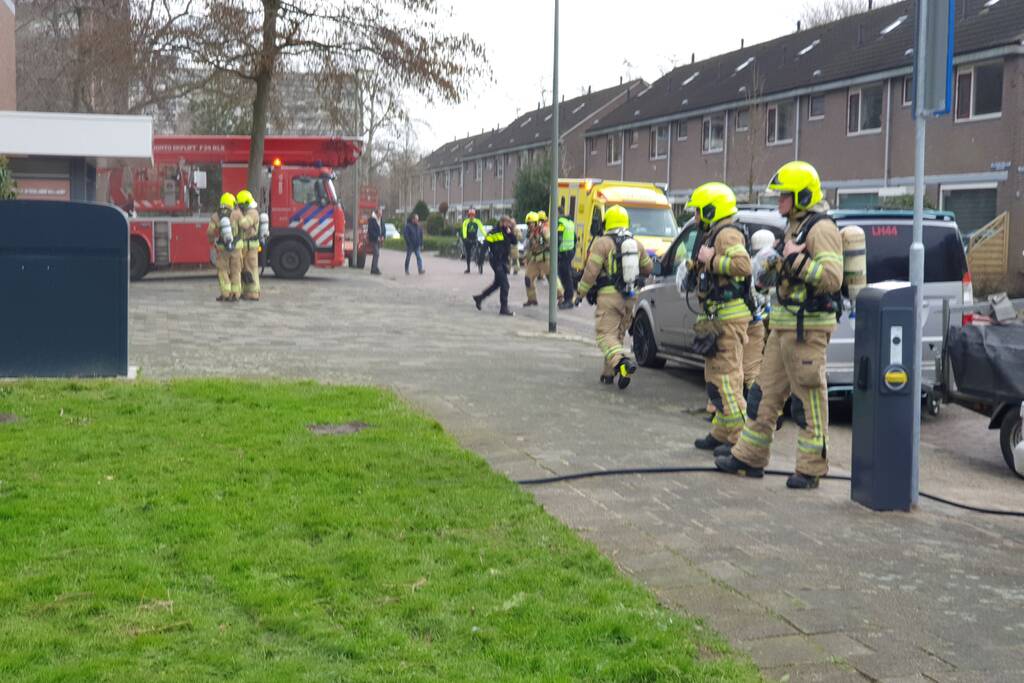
x=553, y=203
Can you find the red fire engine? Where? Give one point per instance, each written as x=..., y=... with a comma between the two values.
x=171, y=202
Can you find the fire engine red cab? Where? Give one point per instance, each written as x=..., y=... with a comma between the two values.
x=172, y=201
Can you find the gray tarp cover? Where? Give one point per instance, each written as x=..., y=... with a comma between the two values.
x=988, y=360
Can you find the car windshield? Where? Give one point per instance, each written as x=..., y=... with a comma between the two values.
x=652, y=222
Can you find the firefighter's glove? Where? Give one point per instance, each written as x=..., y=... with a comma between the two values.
x=592, y=296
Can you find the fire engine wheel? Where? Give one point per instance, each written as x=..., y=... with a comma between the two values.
x=290, y=259
x=138, y=259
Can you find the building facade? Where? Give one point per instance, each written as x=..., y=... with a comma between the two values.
x=8, y=72
x=840, y=96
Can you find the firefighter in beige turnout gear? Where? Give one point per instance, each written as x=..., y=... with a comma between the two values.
x=223, y=233
x=249, y=226
x=810, y=274
x=608, y=282
x=538, y=240
x=721, y=278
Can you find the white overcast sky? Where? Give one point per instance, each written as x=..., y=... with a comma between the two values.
x=601, y=40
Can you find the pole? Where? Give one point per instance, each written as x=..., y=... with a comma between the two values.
x=917, y=245
x=553, y=203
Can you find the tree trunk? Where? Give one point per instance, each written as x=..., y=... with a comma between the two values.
x=264, y=82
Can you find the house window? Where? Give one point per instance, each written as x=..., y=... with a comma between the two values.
x=591, y=146
x=979, y=91
x=477, y=169
x=713, y=134
x=779, y=124
x=816, y=107
x=461, y=170
x=908, y=90
x=614, y=149
x=659, y=142
x=742, y=119
x=634, y=137
x=974, y=205
x=446, y=178
x=499, y=167
x=680, y=127
x=865, y=110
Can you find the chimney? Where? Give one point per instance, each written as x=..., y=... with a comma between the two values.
x=742, y=43
x=588, y=89
x=869, y=5
x=620, y=80
x=693, y=57
x=798, y=26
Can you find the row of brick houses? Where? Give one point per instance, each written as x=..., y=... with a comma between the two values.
x=480, y=171
x=837, y=95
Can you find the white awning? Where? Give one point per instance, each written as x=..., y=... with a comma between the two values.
x=93, y=136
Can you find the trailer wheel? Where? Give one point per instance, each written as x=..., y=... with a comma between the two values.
x=138, y=259
x=290, y=259
x=1010, y=442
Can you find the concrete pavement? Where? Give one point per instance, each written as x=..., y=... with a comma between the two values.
x=812, y=585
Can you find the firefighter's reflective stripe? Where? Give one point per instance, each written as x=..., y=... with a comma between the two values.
x=816, y=268
x=724, y=262
x=725, y=310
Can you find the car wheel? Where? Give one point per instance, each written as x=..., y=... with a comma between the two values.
x=138, y=259
x=1010, y=442
x=290, y=259
x=645, y=348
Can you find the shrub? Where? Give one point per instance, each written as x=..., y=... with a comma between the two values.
x=421, y=209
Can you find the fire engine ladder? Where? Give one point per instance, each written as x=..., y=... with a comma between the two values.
x=162, y=242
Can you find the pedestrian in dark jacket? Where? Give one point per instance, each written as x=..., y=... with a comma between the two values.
x=499, y=242
x=413, y=235
x=375, y=236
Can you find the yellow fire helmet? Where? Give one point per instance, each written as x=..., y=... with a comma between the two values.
x=713, y=202
x=227, y=201
x=801, y=180
x=245, y=197
x=531, y=217
x=616, y=218
x=542, y=216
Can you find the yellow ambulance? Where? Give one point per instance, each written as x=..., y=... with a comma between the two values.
x=585, y=200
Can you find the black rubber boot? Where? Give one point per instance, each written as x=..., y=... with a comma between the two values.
x=625, y=370
x=724, y=449
x=730, y=465
x=708, y=443
x=607, y=379
x=801, y=481
x=478, y=300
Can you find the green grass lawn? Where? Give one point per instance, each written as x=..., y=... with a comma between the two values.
x=196, y=530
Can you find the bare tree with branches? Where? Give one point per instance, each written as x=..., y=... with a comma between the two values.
x=256, y=39
x=105, y=56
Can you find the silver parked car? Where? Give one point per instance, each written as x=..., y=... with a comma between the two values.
x=663, y=326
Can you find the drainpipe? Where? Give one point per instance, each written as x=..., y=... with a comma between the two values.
x=725, y=151
x=668, y=161
x=796, y=142
x=888, y=131
x=622, y=156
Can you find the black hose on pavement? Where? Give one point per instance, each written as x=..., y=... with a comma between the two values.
x=592, y=474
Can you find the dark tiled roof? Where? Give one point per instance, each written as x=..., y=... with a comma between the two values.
x=858, y=46
x=531, y=129
x=452, y=153
x=534, y=128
